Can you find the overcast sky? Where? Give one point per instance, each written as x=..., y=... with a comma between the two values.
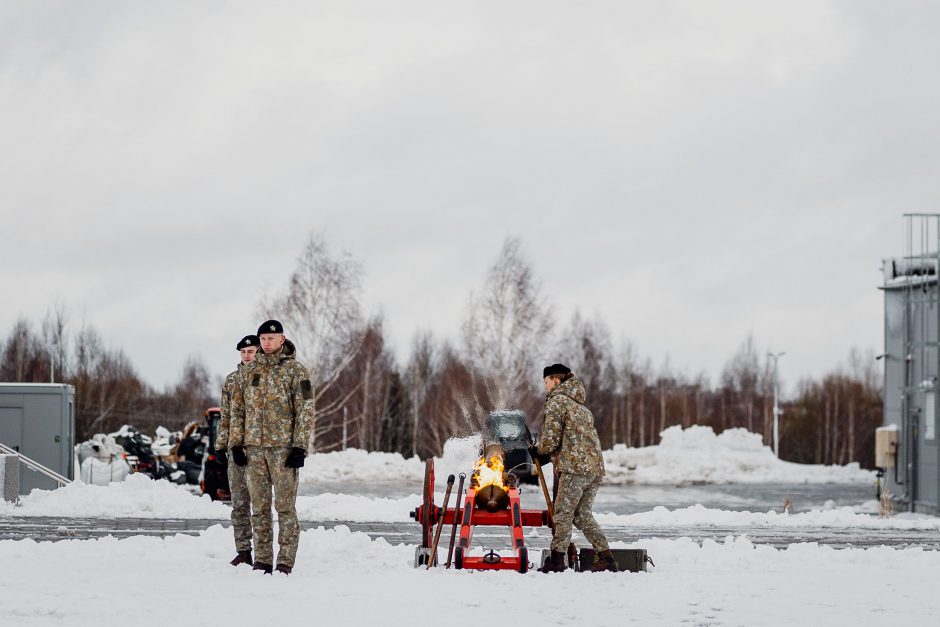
x=691, y=171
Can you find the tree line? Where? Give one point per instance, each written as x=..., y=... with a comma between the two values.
x=365, y=398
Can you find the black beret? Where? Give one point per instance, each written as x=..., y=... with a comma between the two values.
x=248, y=340
x=560, y=369
x=271, y=326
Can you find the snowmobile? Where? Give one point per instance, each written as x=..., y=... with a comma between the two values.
x=508, y=429
x=214, y=466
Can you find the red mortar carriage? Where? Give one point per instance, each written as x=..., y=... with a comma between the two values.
x=491, y=499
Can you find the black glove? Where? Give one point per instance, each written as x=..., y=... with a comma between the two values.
x=238, y=456
x=295, y=459
x=541, y=457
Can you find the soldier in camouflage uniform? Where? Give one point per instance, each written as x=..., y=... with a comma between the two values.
x=570, y=437
x=241, y=504
x=272, y=409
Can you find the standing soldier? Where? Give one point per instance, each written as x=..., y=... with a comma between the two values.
x=570, y=437
x=272, y=412
x=241, y=505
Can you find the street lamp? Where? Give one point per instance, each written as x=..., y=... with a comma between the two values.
x=777, y=411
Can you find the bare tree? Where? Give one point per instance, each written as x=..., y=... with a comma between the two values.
x=194, y=391
x=419, y=377
x=585, y=346
x=22, y=355
x=55, y=339
x=107, y=389
x=322, y=314
x=506, y=329
x=741, y=376
x=454, y=404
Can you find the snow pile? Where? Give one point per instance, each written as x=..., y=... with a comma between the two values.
x=693, y=455
x=699, y=516
x=363, y=581
x=350, y=508
x=140, y=497
x=354, y=508
x=137, y=497
x=697, y=455
x=359, y=465
x=460, y=454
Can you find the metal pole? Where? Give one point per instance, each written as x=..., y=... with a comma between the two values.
x=777, y=410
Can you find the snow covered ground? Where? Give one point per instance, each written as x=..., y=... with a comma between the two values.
x=345, y=578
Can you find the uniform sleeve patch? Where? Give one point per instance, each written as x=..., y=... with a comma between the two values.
x=256, y=380
x=307, y=389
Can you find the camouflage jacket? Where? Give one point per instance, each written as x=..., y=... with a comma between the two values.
x=272, y=402
x=569, y=434
x=225, y=407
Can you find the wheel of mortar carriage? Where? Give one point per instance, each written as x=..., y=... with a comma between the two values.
x=427, y=518
x=524, y=560
x=458, y=558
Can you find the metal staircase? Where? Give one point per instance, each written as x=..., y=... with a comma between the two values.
x=35, y=466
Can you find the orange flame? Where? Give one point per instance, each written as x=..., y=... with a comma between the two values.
x=489, y=472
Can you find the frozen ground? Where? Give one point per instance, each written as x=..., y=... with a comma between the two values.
x=346, y=578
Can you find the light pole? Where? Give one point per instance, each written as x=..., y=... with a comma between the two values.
x=777, y=411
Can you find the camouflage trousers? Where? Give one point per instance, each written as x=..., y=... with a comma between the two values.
x=241, y=505
x=265, y=472
x=573, y=507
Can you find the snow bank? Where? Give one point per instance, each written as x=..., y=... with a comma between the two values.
x=699, y=516
x=353, y=508
x=460, y=454
x=693, y=455
x=137, y=497
x=349, y=579
x=358, y=465
x=140, y=497
x=345, y=507
x=697, y=455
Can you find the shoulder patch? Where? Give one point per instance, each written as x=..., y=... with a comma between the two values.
x=307, y=389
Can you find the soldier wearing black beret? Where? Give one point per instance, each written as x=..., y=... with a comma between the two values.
x=247, y=348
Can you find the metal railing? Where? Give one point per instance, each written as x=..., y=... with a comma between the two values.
x=35, y=466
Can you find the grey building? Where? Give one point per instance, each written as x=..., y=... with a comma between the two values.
x=38, y=421
x=909, y=454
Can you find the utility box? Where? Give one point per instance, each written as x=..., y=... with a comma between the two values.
x=886, y=446
x=628, y=560
x=38, y=421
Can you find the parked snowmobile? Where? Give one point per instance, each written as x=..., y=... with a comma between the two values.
x=508, y=429
x=191, y=451
x=140, y=455
x=214, y=467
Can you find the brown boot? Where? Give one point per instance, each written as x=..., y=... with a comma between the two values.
x=243, y=557
x=555, y=563
x=604, y=560
x=266, y=568
x=284, y=568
